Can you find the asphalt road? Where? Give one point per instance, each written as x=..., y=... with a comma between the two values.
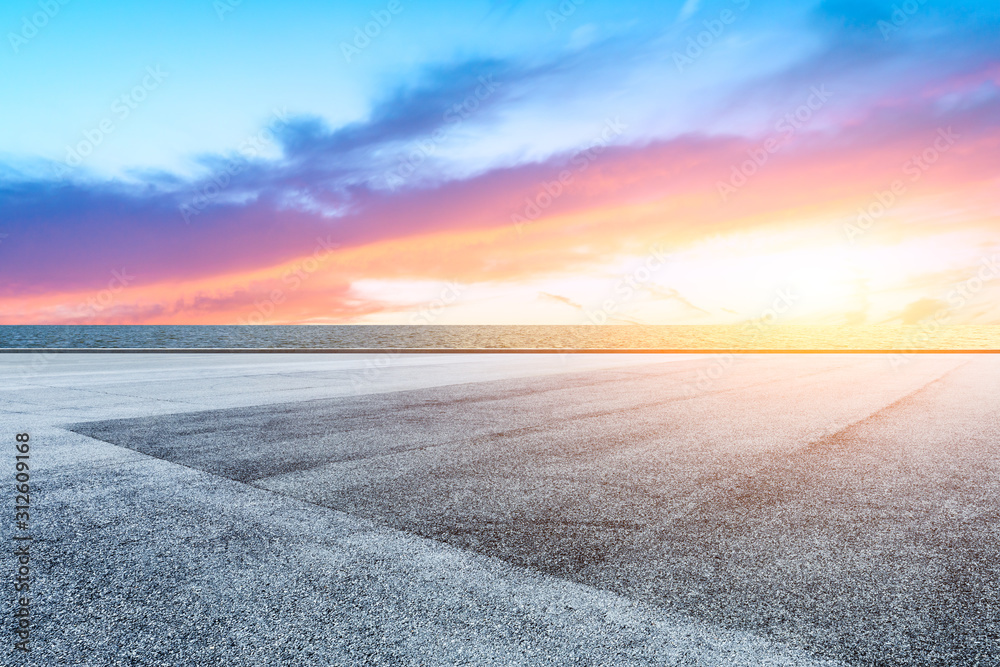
x=772, y=509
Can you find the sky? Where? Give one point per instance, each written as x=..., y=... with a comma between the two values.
x=830, y=162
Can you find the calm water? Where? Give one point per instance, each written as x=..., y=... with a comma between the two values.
x=464, y=337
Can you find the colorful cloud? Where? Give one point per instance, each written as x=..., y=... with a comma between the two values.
x=616, y=163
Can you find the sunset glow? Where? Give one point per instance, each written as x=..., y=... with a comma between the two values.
x=588, y=168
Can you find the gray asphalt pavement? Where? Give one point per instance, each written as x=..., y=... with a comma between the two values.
x=772, y=509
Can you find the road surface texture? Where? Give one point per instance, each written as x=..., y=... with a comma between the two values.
x=511, y=509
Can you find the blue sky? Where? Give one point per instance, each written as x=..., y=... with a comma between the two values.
x=231, y=66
